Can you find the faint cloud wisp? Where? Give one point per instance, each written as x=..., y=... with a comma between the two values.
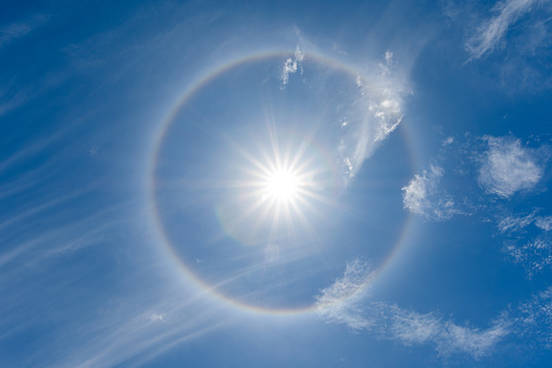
x=17, y=30
x=490, y=33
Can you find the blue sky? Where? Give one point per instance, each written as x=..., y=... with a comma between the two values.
x=228, y=184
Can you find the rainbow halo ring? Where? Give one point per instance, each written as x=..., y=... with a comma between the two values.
x=266, y=179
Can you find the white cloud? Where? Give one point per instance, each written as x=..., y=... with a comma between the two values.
x=372, y=110
x=379, y=108
x=472, y=341
x=414, y=328
x=291, y=65
x=544, y=223
x=338, y=302
x=346, y=302
x=534, y=255
x=423, y=196
x=534, y=319
x=512, y=223
x=299, y=54
x=507, y=167
x=490, y=33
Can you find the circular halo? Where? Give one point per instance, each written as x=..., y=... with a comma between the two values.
x=273, y=184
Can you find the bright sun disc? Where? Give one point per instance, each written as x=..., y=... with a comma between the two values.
x=282, y=185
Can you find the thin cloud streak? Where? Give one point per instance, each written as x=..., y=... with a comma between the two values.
x=489, y=34
x=14, y=31
x=513, y=223
x=136, y=338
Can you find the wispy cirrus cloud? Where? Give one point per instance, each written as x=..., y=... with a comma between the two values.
x=378, y=111
x=347, y=301
x=490, y=33
x=533, y=255
x=544, y=223
x=533, y=319
x=517, y=32
x=339, y=302
x=14, y=31
x=136, y=337
x=518, y=223
x=10, y=101
x=448, y=337
x=529, y=248
x=507, y=167
x=423, y=196
x=515, y=223
x=128, y=329
x=373, y=110
x=503, y=167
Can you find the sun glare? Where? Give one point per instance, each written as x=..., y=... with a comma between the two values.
x=278, y=187
x=282, y=186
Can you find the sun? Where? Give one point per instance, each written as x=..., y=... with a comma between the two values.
x=277, y=185
x=282, y=185
x=284, y=189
